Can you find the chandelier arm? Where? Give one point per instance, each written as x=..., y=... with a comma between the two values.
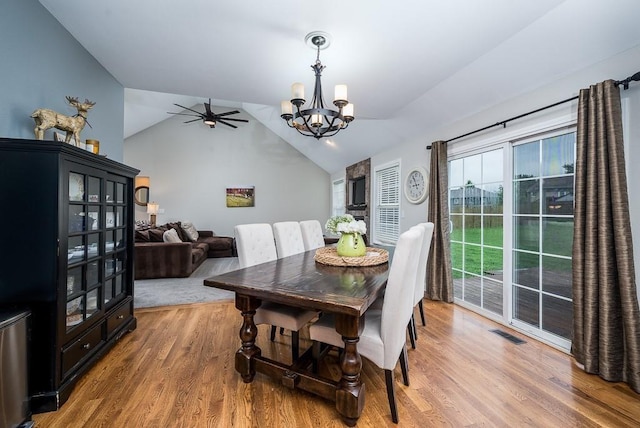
x=305, y=117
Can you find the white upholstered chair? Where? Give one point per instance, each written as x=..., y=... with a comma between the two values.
x=421, y=278
x=312, y=234
x=288, y=236
x=383, y=340
x=255, y=244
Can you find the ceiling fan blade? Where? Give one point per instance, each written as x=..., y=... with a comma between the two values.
x=192, y=120
x=185, y=114
x=207, y=108
x=235, y=120
x=228, y=113
x=228, y=124
x=187, y=108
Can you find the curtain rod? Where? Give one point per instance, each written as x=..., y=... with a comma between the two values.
x=624, y=83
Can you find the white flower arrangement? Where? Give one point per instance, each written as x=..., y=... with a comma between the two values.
x=345, y=224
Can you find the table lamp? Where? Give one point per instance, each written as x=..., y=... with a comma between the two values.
x=152, y=209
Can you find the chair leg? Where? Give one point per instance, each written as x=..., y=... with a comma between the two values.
x=281, y=330
x=415, y=330
x=404, y=365
x=295, y=341
x=411, y=329
x=422, y=312
x=273, y=333
x=316, y=356
x=388, y=375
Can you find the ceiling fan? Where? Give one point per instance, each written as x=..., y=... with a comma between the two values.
x=208, y=117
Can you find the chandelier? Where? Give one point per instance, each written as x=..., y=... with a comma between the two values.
x=317, y=121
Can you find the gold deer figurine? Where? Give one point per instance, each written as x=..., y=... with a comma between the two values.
x=46, y=119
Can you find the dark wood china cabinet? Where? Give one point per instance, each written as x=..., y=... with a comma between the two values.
x=66, y=254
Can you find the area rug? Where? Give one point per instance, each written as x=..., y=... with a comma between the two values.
x=150, y=293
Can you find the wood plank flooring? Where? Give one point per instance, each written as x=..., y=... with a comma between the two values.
x=177, y=370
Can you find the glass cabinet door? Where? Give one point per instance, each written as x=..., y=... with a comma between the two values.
x=115, y=240
x=84, y=242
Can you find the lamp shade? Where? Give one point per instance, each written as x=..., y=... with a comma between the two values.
x=142, y=181
x=152, y=208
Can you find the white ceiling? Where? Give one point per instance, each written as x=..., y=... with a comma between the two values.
x=418, y=63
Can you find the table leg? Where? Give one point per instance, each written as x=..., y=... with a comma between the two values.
x=350, y=390
x=248, y=332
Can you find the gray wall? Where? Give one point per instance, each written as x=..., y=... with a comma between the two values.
x=41, y=64
x=191, y=165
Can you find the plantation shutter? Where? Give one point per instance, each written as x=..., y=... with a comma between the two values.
x=387, y=226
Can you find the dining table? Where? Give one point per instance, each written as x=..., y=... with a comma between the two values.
x=299, y=281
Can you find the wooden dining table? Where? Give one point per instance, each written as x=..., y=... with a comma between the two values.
x=300, y=281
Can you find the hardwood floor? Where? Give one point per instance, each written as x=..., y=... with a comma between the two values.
x=177, y=370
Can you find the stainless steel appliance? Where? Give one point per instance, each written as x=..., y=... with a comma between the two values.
x=14, y=392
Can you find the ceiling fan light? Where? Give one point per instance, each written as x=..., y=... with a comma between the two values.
x=210, y=122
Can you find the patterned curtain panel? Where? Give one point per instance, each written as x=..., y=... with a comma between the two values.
x=439, y=275
x=606, y=325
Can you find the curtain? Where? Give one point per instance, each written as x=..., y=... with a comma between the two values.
x=606, y=320
x=439, y=279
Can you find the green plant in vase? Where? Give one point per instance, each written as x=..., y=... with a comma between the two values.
x=350, y=230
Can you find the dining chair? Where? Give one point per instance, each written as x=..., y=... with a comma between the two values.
x=420, y=280
x=312, y=234
x=383, y=340
x=288, y=236
x=255, y=244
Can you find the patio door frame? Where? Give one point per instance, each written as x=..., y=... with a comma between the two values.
x=505, y=139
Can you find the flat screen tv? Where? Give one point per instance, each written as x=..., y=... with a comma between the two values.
x=358, y=191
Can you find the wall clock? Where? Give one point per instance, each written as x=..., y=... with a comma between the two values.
x=416, y=185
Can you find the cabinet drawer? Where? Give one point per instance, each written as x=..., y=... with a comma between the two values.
x=81, y=348
x=118, y=317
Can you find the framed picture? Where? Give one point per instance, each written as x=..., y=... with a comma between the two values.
x=112, y=220
x=240, y=196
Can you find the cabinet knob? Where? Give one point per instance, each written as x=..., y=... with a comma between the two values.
x=86, y=346
x=120, y=317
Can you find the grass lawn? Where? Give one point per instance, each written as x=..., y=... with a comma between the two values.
x=238, y=201
x=557, y=239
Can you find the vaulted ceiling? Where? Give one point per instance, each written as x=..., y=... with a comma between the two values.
x=409, y=64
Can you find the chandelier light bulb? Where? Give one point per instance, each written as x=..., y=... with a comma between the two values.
x=286, y=108
x=347, y=111
x=340, y=93
x=297, y=91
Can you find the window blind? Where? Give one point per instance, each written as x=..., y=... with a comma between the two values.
x=387, y=224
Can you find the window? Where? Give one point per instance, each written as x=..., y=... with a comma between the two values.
x=338, y=197
x=387, y=204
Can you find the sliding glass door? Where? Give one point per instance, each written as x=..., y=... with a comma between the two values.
x=543, y=188
x=476, y=203
x=511, y=219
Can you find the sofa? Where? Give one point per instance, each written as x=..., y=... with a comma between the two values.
x=156, y=257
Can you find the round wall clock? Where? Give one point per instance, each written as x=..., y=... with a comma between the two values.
x=416, y=185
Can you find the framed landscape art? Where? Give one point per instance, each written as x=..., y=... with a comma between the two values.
x=240, y=196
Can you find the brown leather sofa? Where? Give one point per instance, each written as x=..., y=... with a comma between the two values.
x=155, y=258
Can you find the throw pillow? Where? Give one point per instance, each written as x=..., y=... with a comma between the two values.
x=142, y=236
x=178, y=228
x=155, y=235
x=190, y=230
x=171, y=236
